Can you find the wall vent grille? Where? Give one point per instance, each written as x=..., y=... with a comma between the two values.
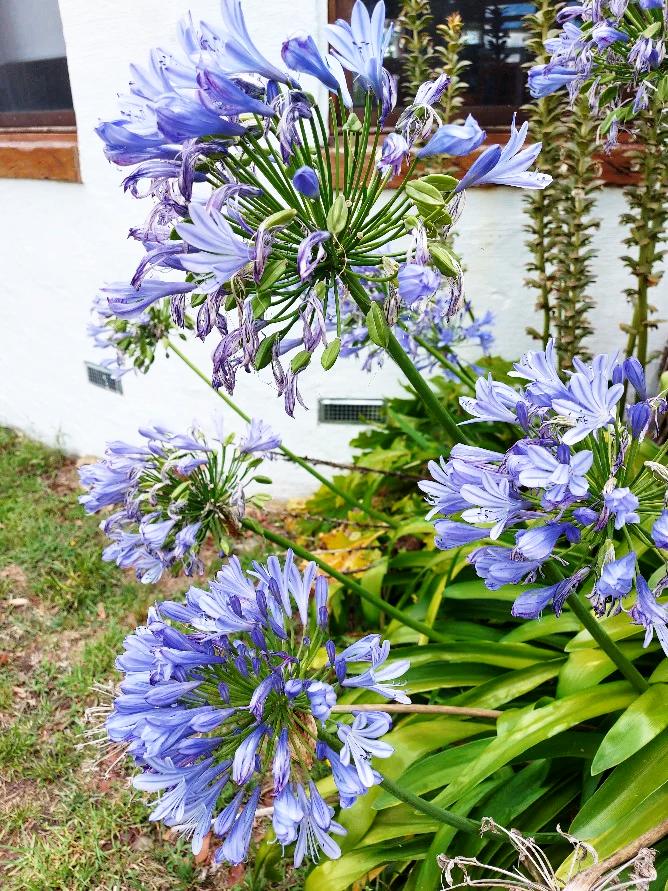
x=350, y=411
x=100, y=377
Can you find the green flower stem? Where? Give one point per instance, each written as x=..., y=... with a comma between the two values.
x=346, y=580
x=463, y=824
x=419, y=384
x=609, y=647
x=290, y=455
x=462, y=373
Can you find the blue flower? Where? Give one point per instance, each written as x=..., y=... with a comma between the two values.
x=416, y=282
x=306, y=181
x=531, y=603
x=361, y=45
x=259, y=438
x=495, y=501
x=493, y=401
x=450, y=534
x=228, y=666
x=604, y=34
x=508, y=166
x=623, y=505
x=301, y=54
x=361, y=742
x=615, y=582
x=589, y=406
x=562, y=475
x=128, y=302
x=547, y=79
x=307, y=261
x=219, y=253
x=394, y=152
x=500, y=566
x=454, y=139
x=235, y=52
x=660, y=531
x=652, y=615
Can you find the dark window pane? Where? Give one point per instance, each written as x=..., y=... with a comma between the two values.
x=34, y=81
x=495, y=46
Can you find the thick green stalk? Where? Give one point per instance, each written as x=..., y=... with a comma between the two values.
x=345, y=580
x=290, y=455
x=429, y=399
x=609, y=647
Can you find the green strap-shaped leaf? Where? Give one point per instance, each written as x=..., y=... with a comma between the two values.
x=530, y=726
x=586, y=668
x=337, y=875
x=509, y=686
x=639, y=724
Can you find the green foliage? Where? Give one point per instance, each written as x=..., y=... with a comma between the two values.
x=570, y=723
x=416, y=43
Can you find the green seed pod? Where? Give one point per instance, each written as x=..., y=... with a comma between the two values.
x=338, y=215
x=422, y=193
x=280, y=218
x=263, y=355
x=301, y=360
x=444, y=260
x=330, y=354
x=377, y=326
x=441, y=181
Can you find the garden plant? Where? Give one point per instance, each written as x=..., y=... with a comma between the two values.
x=484, y=672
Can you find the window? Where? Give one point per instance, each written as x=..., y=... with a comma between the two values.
x=494, y=44
x=37, y=137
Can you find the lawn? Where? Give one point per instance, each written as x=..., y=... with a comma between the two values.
x=69, y=818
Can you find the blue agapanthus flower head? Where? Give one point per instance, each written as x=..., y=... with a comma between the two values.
x=170, y=493
x=571, y=483
x=253, y=253
x=611, y=50
x=227, y=699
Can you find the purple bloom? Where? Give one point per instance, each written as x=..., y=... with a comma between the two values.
x=307, y=262
x=454, y=139
x=646, y=54
x=493, y=401
x=495, y=501
x=394, y=152
x=547, y=79
x=360, y=46
x=604, y=34
x=660, y=531
x=561, y=476
x=219, y=252
x=128, y=302
x=301, y=54
x=235, y=847
x=314, y=825
x=622, y=504
x=417, y=282
x=541, y=369
x=295, y=106
x=377, y=679
x=614, y=584
x=590, y=405
x=361, y=742
x=639, y=415
x=259, y=438
x=635, y=375
x=538, y=542
x=502, y=566
x=180, y=118
x=431, y=91
x=653, y=616
x=321, y=699
x=508, y=166
x=531, y=604
x=306, y=181
x=450, y=534
x=346, y=778
x=235, y=52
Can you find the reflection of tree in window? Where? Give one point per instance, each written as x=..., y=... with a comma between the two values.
x=494, y=45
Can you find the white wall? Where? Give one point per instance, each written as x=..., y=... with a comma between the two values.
x=59, y=242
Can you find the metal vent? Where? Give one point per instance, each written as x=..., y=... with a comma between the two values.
x=100, y=377
x=350, y=411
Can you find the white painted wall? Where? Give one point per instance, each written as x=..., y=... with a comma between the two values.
x=59, y=242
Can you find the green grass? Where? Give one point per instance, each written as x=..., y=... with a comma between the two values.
x=68, y=817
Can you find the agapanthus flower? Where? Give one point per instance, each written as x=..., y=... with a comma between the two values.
x=171, y=492
x=220, y=707
x=563, y=490
x=507, y=166
x=615, y=55
x=271, y=244
x=454, y=139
